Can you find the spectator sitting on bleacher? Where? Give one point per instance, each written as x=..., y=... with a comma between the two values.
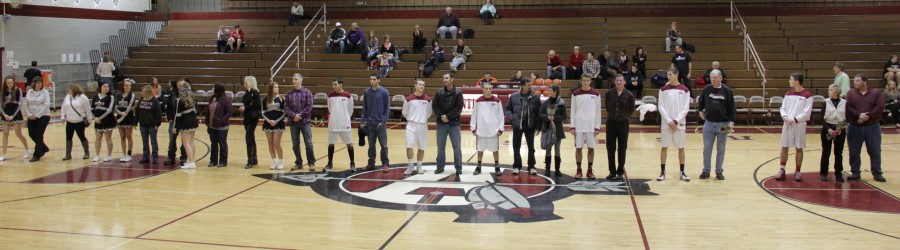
x=518, y=77
x=841, y=78
x=487, y=78
x=461, y=54
x=555, y=67
x=356, y=39
x=892, y=69
x=634, y=81
x=388, y=48
x=419, y=40
x=716, y=66
x=892, y=102
x=609, y=66
x=337, y=36
x=449, y=22
x=236, y=39
x=437, y=53
x=682, y=61
x=592, y=67
x=296, y=13
x=222, y=42
x=673, y=35
x=487, y=12
x=622, y=60
x=640, y=59
x=371, y=47
x=575, y=61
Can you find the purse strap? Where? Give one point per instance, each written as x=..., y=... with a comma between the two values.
x=72, y=105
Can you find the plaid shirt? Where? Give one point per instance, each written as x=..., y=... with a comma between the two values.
x=591, y=67
x=298, y=101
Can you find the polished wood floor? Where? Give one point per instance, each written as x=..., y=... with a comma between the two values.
x=231, y=207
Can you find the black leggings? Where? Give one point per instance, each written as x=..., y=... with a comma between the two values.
x=250, y=137
x=36, y=129
x=73, y=128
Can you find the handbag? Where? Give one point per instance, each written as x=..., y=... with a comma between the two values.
x=548, y=137
x=84, y=119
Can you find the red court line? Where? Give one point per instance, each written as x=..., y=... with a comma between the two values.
x=133, y=238
x=637, y=214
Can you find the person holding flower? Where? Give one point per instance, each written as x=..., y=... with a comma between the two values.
x=833, y=133
x=716, y=106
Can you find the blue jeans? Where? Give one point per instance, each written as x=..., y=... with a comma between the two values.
x=379, y=133
x=329, y=45
x=306, y=130
x=452, y=130
x=561, y=70
x=148, y=138
x=712, y=132
x=218, y=146
x=871, y=135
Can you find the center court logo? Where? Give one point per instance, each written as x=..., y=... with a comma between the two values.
x=483, y=198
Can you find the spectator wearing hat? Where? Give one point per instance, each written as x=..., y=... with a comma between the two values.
x=337, y=36
x=487, y=78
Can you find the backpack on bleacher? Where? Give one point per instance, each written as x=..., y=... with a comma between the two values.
x=660, y=79
x=468, y=33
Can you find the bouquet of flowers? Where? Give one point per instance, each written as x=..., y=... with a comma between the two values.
x=729, y=128
x=840, y=129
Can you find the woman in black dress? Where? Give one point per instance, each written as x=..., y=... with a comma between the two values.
x=186, y=122
x=125, y=118
x=10, y=97
x=251, y=110
x=104, y=120
x=274, y=125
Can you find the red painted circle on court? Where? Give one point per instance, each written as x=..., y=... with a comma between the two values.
x=854, y=195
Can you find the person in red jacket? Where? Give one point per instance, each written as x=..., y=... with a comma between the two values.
x=236, y=40
x=575, y=60
x=487, y=78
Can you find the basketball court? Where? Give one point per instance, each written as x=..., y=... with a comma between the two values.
x=77, y=204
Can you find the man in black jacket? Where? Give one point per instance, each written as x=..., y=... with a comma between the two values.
x=169, y=101
x=716, y=107
x=447, y=106
x=521, y=109
x=619, y=107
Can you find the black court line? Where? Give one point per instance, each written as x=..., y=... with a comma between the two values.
x=637, y=213
x=759, y=183
x=419, y=210
x=104, y=186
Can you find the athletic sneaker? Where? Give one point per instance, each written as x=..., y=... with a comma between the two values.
x=327, y=168
x=532, y=171
x=477, y=171
x=125, y=159
x=352, y=168
x=312, y=167
x=107, y=159
x=516, y=171
x=590, y=174
x=578, y=173
x=96, y=158
x=797, y=176
x=409, y=170
x=2, y=158
x=684, y=177
x=274, y=164
x=419, y=169
x=27, y=154
x=385, y=169
x=780, y=175
x=497, y=171
x=662, y=176
x=280, y=164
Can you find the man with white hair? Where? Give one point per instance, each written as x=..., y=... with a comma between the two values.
x=449, y=22
x=716, y=66
x=555, y=64
x=717, y=108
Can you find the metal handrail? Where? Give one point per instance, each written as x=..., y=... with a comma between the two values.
x=294, y=47
x=750, y=52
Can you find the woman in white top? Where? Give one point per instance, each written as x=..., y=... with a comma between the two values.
x=11, y=98
x=37, y=111
x=833, y=133
x=105, y=70
x=76, y=112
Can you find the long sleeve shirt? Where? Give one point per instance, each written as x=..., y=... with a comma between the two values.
x=592, y=68
x=843, y=80
x=871, y=103
x=252, y=105
x=105, y=69
x=619, y=107
x=673, y=34
x=586, y=112
x=488, y=7
x=297, y=10
x=298, y=102
x=75, y=109
x=340, y=107
x=554, y=61
x=575, y=60
x=149, y=112
x=487, y=117
x=835, y=112
x=417, y=109
x=376, y=105
x=449, y=103
x=337, y=34
x=717, y=104
x=797, y=106
x=674, y=103
x=451, y=20
x=37, y=103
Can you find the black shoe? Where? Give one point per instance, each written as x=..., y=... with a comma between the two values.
x=610, y=177
x=477, y=171
x=720, y=176
x=704, y=175
x=497, y=171
x=839, y=177
x=248, y=166
x=558, y=173
x=853, y=177
x=879, y=178
x=34, y=159
x=327, y=168
x=439, y=170
x=823, y=177
x=297, y=167
x=211, y=164
x=547, y=171
x=620, y=177
x=222, y=164
x=169, y=162
x=458, y=172
x=144, y=161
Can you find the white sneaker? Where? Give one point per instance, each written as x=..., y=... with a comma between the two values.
x=419, y=169
x=409, y=170
x=2, y=157
x=27, y=154
x=96, y=158
x=274, y=164
x=108, y=158
x=124, y=158
x=280, y=164
x=662, y=176
x=684, y=177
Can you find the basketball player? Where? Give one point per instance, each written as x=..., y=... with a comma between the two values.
x=487, y=125
x=586, y=121
x=340, y=107
x=416, y=110
x=795, y=111
x=674, y=102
